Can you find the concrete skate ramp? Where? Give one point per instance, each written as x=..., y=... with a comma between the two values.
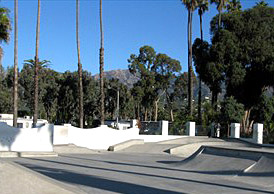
x=264, y=167
x=17, y=179
x=186, y=150
x=222, y=161
x=260, y=173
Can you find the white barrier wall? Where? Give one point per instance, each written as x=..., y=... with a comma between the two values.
x=190, y=128
x=60, y=135
x=258, y=133
x=101, y=137
x=235, y=130
x=25, y=139
x=164, y=126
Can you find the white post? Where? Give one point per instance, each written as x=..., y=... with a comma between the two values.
x=133, y=123
x=258, y=133
x=235, y=130
x=190, y=128
x=164, y=125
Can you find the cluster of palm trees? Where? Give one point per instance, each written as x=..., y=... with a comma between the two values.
x=191, y=5
x=36, y=66
x=202, y=6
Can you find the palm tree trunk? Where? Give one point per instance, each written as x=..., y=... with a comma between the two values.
x=190, y=84
x=200, y=81
x=138, y=112
x=156, y=110
x=35, y=115
x=145, y=114
x=80, y=78
x=15, y=83
x=201, y=27
x=220, y=19
x=102, y=68
x=171, y=115
x=214, y=99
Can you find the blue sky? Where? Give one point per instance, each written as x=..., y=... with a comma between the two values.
x=128, y=25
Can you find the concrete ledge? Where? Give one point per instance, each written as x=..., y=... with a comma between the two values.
x=27, y=154
x=125, y=144
x=9, y=154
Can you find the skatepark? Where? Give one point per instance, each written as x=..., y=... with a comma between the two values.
x=214, y=166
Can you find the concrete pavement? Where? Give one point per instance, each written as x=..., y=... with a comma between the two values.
x=147, y=169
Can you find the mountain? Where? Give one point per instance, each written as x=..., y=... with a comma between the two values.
x=124, y=76
x=128, y=79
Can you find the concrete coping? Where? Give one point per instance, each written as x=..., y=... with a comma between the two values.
x=125, y=144
x=245, y=152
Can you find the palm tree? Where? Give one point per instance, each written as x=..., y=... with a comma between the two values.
x=35, y=115
x=15, y=82
x=203, y=7
x=102, y=68
x=262, y=3
x=5, y=26
x=234, y=5
x=80, y=74
x=41, y=63
x=191, y=5
x=221, y=4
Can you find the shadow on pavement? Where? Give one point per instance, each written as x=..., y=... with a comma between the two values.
x=95, y=181
x=117, y=186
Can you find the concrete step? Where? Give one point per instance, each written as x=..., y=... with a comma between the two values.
x=8, y=154
x=126, y=144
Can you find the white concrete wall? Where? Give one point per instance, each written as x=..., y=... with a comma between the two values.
x=258, y=129
x=190, y=128
x=101, y=137
x=235, y=130
x=60, y=135
x=22, y=139
x=164, y=125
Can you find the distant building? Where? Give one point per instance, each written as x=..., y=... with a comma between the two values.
x=25, y=122
x=121, y=125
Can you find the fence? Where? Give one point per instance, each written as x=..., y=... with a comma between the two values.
x=150, y=128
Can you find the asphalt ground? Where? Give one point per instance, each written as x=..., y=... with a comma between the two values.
x=124, y=172
x=148, y=168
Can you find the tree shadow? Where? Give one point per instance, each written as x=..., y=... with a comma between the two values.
x=96, y=182
x=216, y=172
x=57, y=174
x=8, y=135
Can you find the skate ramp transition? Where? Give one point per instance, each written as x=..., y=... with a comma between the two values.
x=231, y=161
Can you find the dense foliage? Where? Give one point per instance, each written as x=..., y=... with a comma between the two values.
x=240, y=57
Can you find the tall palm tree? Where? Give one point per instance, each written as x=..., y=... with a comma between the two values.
x=234, y=5
x=5, y=26
x=41, y=63
x=191, y=5
x=203, y=7
x=262, y=3
x=102, y=107
x=221, y=4
x=80, y=74
x=15, y=82
x=35, y=115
